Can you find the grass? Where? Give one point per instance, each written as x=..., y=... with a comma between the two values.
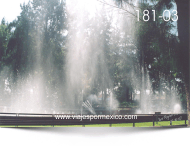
x=42, y=126
x=143, y=124
x=123, y=125
x=98, y=125
x=179, y=122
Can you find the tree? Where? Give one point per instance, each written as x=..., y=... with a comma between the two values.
x=183, y=34
x=38, y=37
x=4, y=37
x=183, y=31
x=160, y=43
x=5, y=34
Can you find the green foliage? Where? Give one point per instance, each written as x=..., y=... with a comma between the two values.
x=38, y=31
x=4, y=38
x=129, y=104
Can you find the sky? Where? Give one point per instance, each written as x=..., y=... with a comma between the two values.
x=10, y=9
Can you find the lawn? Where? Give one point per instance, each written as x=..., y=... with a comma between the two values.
x=143, y=124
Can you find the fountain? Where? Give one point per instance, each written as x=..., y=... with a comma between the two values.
x=89, y=107
x=91, y=27
x=177, y=108
x=86, y=53
x=155, y=102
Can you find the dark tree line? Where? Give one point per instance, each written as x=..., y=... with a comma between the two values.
x=173, y=51
x=36, y=44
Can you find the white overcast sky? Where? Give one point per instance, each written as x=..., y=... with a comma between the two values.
x=10, y=9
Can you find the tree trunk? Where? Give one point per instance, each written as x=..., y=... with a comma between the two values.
x=127, y=94
x=188, y=103
x=183, y=32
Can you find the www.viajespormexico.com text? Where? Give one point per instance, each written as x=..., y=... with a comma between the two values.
x=95, y=117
